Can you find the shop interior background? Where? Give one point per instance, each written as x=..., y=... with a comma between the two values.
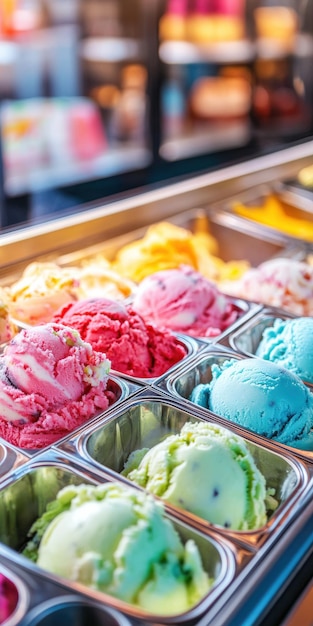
x=102, y=98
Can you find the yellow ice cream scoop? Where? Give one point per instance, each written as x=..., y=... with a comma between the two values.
x=168, y=246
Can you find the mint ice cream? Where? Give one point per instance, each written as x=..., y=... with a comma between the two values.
x=206, y=470
x=117, y=540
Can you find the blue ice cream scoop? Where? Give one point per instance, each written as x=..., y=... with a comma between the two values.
x=261, y=396
x=290, y=344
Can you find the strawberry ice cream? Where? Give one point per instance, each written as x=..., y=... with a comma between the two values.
x=183, y=300
x=133, y=347
x=51, y=381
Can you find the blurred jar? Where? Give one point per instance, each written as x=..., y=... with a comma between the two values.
x=173, y=103
x=128, y=121
x=277, y=104
x=277, y=24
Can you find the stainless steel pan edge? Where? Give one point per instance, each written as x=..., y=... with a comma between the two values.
x=112, y=218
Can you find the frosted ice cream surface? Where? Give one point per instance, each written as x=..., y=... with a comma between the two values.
x=118, y=540
x=289, y=343
x=279, y=282
x=184, y=301
x=133, y=346
x=206, y=470
x=261, y=396
x=50, y=380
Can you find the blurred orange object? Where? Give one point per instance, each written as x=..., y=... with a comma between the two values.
x=18, y=16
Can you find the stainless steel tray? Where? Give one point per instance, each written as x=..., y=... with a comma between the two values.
x=234, y=242
x=111, y=219
x=237, y=239
x=36, y=483
x=246, y=339
x=10, y=458
x=149, y=417
x=260, y=579
x=21, y=596
x=121, y=388
x=295, y=206
x=181, y=384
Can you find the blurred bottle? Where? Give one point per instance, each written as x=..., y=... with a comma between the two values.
x=277, y=105
x=128, y=120
x=276, y=24
x=216, y=21
x=172, y=24
x=280, y=102
x=173, y=103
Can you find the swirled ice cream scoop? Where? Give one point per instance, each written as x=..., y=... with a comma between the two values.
x=50, y=380
x=184, y=301
x=280, y=282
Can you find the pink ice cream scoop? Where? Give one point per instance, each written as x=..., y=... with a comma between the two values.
x=185, y=301
x=133, y=346
x=280, y=282
x=50, y=382
x=8, y=598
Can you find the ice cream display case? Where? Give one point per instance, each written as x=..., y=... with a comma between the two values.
x=165, y=511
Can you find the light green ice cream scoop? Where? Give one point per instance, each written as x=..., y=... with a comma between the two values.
x=118, y=540
x=206, y=470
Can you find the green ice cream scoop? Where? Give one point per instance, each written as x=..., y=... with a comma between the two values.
x=118, y=540
x=208, y=471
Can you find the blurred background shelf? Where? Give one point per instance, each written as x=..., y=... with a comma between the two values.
x=116, y=160
x=184, y=52
x=204, y=140
x=156, y=90
x=110, y=49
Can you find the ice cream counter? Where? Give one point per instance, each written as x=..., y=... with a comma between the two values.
x=157, y=468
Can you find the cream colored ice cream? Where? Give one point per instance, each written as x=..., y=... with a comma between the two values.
x=98, y=279
x=41, y=290
x=44, y=287
x=206, y=470
x=117, y=540
x=7, y=327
